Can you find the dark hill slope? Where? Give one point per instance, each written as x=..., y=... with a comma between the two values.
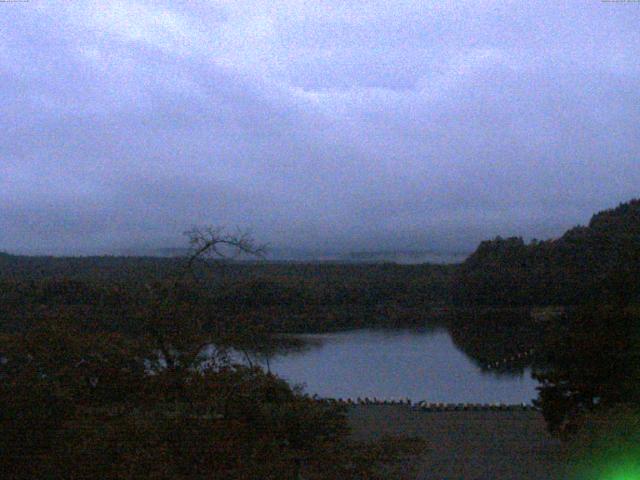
x=599, y=262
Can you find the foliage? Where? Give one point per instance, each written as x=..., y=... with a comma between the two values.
x=285, y=297
x=79, y=403
x=153, y=392
x=592, y=364
x=597, y=262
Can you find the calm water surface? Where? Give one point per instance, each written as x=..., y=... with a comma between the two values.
x=394, y=364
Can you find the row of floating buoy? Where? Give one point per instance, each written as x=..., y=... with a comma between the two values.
x=432, y=407
x=511, y=359
x=368, y=401
x=473, y=407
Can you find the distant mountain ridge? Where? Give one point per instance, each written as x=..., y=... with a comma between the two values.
x=301, y=255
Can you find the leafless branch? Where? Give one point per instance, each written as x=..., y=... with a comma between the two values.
x=210, y=242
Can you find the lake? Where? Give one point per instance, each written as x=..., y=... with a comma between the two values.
x=393, y=364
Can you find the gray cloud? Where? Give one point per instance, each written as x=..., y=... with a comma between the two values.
x=317, y=125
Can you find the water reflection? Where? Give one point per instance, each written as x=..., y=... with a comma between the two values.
x=421, y=365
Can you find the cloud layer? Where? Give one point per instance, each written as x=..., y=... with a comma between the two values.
x=324, y=125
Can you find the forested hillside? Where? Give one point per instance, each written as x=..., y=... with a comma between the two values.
x=286, y=297
x=598, y=262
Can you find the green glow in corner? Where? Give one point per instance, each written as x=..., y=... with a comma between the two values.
x=608, y=448
x=608, y=463
x=627, y=471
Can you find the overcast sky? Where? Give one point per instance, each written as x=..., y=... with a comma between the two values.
x=319, y=124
